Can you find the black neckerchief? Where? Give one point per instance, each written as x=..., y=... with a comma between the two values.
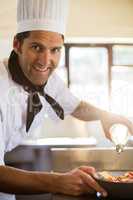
x=34, y=103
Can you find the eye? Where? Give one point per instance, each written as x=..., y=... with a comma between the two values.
x=56, y=50
x=36, y=47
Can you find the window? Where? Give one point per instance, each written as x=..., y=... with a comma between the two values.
x=102, y=74
x=122, y=55
x=89, y=74
x=122, y=80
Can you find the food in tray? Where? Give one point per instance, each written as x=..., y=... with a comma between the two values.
x=125, y=178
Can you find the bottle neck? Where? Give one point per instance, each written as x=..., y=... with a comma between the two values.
x=120, y=148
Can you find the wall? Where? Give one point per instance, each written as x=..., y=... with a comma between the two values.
x=109, y=18
x=86, y=18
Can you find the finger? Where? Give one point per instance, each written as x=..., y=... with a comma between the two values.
x=88, y=169
x=130, y=126
x=106, y=130
x=93, y=184
x=85, y=189
x=108, y=135
x=127, y=123
x=88, y=190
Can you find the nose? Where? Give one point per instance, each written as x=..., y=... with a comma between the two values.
x=45, y=58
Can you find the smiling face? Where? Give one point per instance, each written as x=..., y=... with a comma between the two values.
x=39, y=55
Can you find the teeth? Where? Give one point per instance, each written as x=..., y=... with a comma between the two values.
x=43, y=69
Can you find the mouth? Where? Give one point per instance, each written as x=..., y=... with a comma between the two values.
x=41, y=68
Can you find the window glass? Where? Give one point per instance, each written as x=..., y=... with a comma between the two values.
x=122, y=55
x=89, y=74
x=122, y=90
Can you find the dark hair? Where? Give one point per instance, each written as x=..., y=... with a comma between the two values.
x=22, y=36
x=13, y=58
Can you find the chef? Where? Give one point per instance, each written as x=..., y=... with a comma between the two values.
x=31, y=89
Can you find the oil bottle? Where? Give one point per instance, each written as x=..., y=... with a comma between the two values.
x=119, y=136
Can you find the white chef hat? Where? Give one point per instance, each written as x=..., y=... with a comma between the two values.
x=48, y=15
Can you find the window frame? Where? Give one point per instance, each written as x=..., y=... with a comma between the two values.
x=109, y=48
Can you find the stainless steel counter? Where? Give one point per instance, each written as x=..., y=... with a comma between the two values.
x=64, y=159
x=100, y=158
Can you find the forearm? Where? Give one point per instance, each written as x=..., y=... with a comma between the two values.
x=18, y=181
x=88, y=112
x=74, y=182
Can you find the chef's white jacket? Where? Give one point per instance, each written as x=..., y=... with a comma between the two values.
x=13, y=107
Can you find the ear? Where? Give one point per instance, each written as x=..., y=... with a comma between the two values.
x=16, y=45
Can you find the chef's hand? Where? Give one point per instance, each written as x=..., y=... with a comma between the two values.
x=80, y=181
x=108, y=119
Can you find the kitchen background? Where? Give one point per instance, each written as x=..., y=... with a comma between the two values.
x=96, y=63
x=97, y=66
